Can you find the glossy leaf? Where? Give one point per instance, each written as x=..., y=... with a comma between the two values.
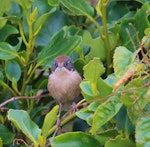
x=79, y=7
x=2, y=22
x=25, y=4
x=106, y=135
x=135, y=21
x=49, y=120
x=53, y=3
x=42, y=19
x=61, y=43
x=142, y=101
x=5, y=6
x=1, y=142
x=87, y=90
x=37, y=110
x=119, y=141
x=128, y=98
x=105, y=112
x=122, y=59
x=75, y=139
x=103, y=88
x=13, y=70
x=124, y=123
x=97, y=47
x=6, y=136
x=33, y=15
x=143, y=131
x=50, y=28
x=7, y=51
x=142, y=1
x=1, y=76
x=93, y=70
x=18, y=46
x=83, y=115
x=21, y=120
x=141, y=16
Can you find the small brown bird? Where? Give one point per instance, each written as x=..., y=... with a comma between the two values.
x=64, y=80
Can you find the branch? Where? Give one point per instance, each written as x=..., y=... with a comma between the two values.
x=22, y=98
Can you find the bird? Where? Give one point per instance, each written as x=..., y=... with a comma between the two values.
x=64, y=80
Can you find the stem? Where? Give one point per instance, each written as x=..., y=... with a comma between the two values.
x=101, y=10
x=9, y=88
x=22, y=35
x=96, y=24
x=105, y=37
x=67, y=119
x=31, y=74
x=29, y=49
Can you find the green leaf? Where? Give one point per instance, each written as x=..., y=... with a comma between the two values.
x=54, y=24
x=105, y=112
x=6, y=31
x=93, y=70
x=61, y=43
x=124, y=123
x=53, y=3
x=142, y=16
x=122, y=59
x=7, y=51
x=1, y=142
x=97, y=69
x=79, y=7
x=87, y=91
x=2, y=22
x=97, y=47
x=15, y=10
x=128, y=98
x=21, y=120
x=142, y=132
x=33, y=15
x=75, y=139
x=5, y=6
x=106, y=135
x=142, y=1
x=141, y=102
x=103, y=88
x=83, y=115
x=1, y=76
x=25, y=4
x=18, y=46
x=2, y=119
x=119, y=141
x=13, y=70
x=6, y=136
x=125, y=41
x=49, y=120
x=37, y=110
x=42, y=19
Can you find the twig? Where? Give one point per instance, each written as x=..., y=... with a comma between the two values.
x=133, y=44
x=22, y=97
x=17, y=140
x=136, y=34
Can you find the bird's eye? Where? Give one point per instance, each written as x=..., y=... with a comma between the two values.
x=54, y=66
x=66, y=64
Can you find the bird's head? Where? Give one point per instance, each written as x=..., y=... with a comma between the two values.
x=62, y=62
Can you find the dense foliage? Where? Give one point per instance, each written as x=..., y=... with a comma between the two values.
x=109, y=43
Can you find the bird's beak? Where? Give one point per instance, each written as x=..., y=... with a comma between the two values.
x=60, y=65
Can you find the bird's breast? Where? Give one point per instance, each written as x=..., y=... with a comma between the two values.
x=63, y=85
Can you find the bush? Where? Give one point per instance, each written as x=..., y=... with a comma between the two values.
x=109, y=43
